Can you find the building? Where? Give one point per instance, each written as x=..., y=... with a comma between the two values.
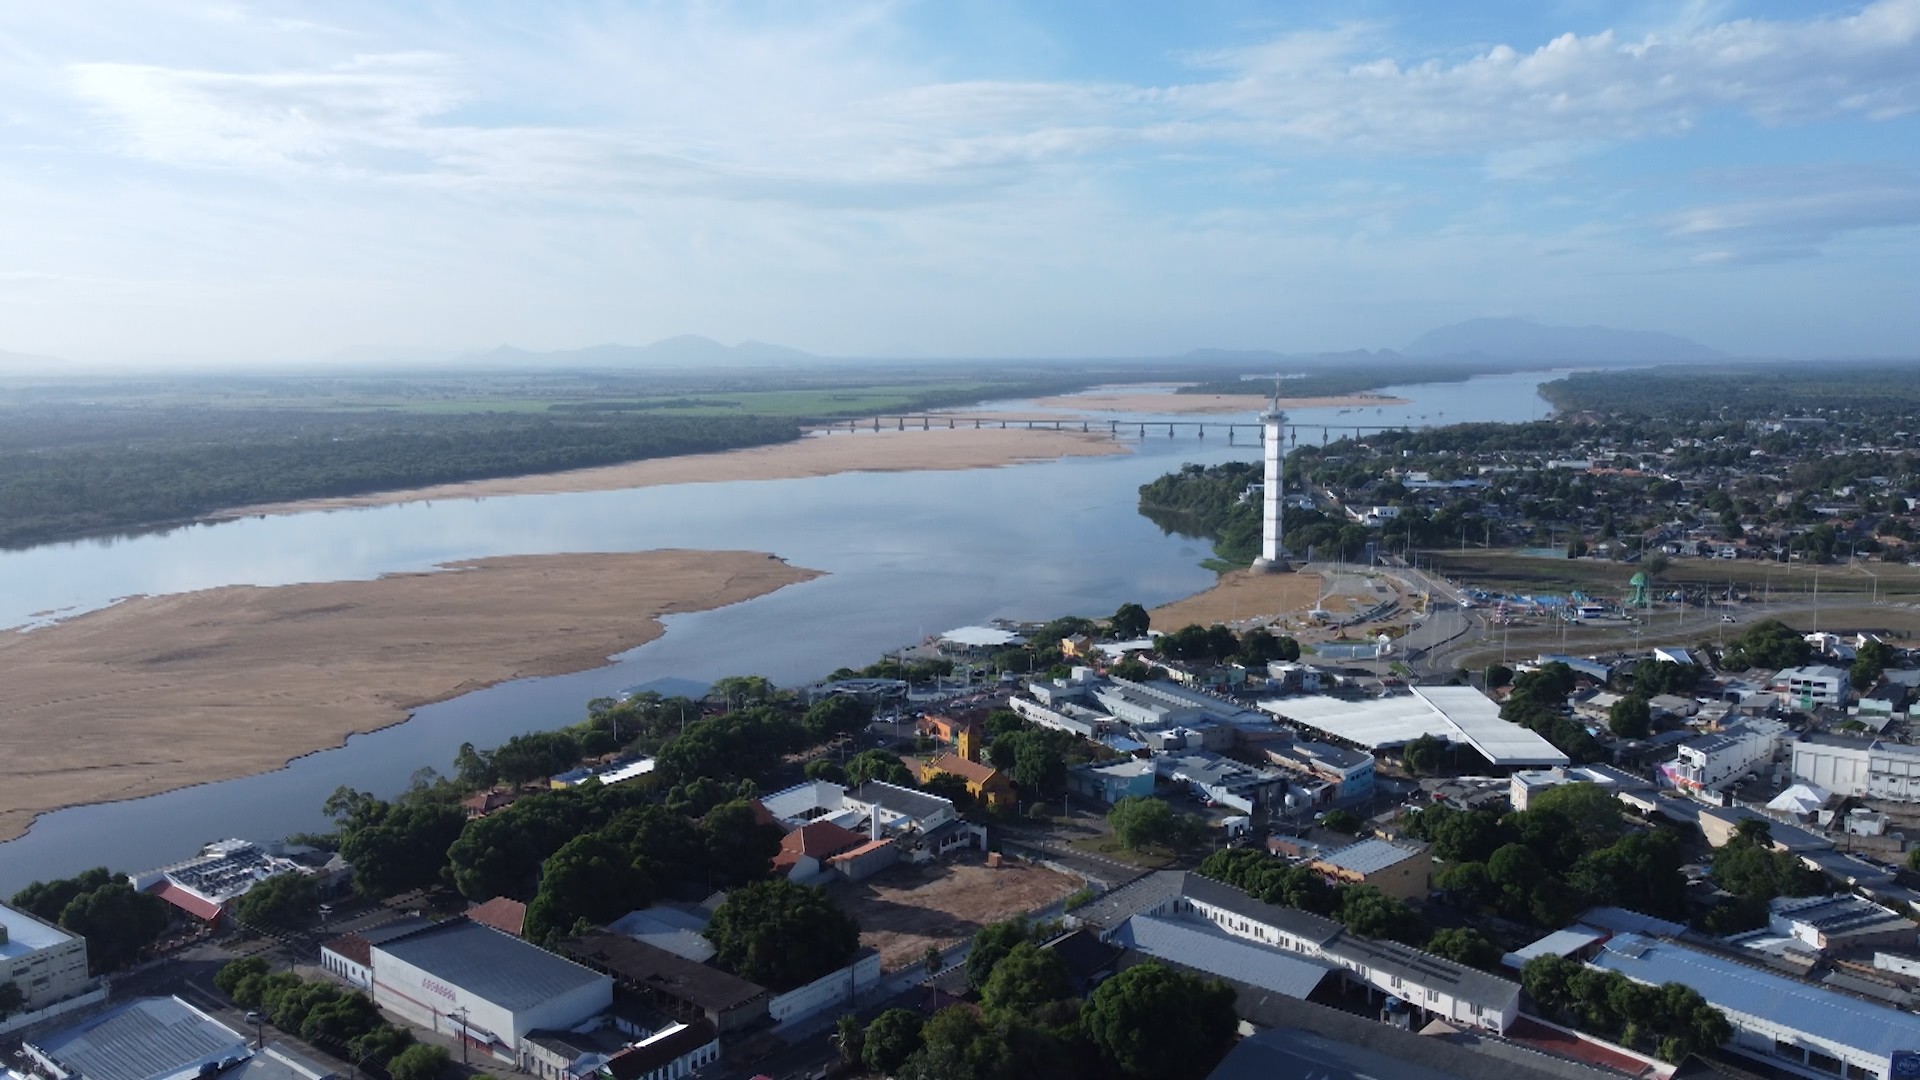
x=157, y=1038
x=349, y=957
x=1888, y=699
x=673, y=1053
x=680, y=931
x=471, y=981
x=673, y=983
x=48, y=964
x=963, y=732
x=1077, y=646
x=1456, y=714
x=1222, y=781
x=1783, y=1022
x=1872, y=769
x=1808, y=688
x=1394, y=869
x=205, y=886
x=927, y=826
x=988, y=785
x=632, y=1042
x=1111, y=781
x=1348, y=773
x=1840, y=921
x=503, y=914
x=873, y=856
x=1523, y=785
x=279, y=1062
x=1431, y=987
x=1707, y=763
x=804, y=851
x=1303, y=1039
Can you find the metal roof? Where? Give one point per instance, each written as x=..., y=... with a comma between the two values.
x=1199, y=946
x=25, y=934
x=1367, y=856
x=1425, y=970
x=641, y=965
x=1301, y=924
x=144, y=1040
x=1622, y=921
x=1738, y=988
x=1559, y=943
x=1458, y=714
x=488, y=964
x=903, y=801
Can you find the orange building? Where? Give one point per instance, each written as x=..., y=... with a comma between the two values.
x=984, y=782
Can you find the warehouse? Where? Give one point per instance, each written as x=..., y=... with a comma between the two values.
x=461, y=976
x=47, y=963
x=1457, y=714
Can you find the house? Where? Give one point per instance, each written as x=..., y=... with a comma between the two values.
x=1712, y=760
x=1112, y=781
x=867, y=859
x=505, y=915
x=1349, y=772
x=988, y=785
x=1840, y=921
x=486, y=802
x=1807, y=688
x=1222, y=780
x=1524, y=784
x=804, y=851
x=1078, y=646
x=1396, y=870
x=1888, y=699
x=962, y=732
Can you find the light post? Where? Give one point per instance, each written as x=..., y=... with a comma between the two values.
x=259, y=1030
x=460, y=1014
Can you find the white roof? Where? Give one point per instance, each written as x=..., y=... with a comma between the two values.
x=981, y=636
x=26, y=934
x=1458, y=714
x=1801, y=798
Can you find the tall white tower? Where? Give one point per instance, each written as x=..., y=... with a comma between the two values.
x=1273, y=557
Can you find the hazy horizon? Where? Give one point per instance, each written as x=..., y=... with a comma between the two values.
x=217, y=184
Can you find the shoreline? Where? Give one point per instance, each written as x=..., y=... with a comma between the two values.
x=1240, y=596
x=813, y=455
x=1168, y=403
x=159, y=693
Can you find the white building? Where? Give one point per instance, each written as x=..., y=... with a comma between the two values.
x=460, y=978
x=206, y=884
x=1434, y=987
x=1523, y=785
x=1791, y=1025
x=1808, y=688
x=45, y=962
x=1711, y=760
x=1861, y=768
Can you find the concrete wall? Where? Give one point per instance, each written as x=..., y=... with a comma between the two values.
x=355, y=975
x=430, y=1002
x=827, y=991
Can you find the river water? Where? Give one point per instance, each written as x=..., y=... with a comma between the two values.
x=906, y=555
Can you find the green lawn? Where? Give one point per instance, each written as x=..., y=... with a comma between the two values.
x=1151, y=858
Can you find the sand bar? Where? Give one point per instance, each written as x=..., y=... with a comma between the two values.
x=163, y=692
x=1242, y=595
x=1168, y=403
x=815, y=455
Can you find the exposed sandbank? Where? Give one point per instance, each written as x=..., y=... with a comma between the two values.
x=1242, y=594
x=1168, y=403
x=163, y=692
x=815, y=455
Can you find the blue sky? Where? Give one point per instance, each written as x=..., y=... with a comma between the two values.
x=231, y=182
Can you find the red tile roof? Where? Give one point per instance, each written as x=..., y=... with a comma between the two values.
x=871, y=845
x=353, y=947
x=504, y=915
x=199, y=907
x=816, y=839
x=971, y=771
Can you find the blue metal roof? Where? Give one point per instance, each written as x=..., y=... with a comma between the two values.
x=1218, y=953
x=1736, y=987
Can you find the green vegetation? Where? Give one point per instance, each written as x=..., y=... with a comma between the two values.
x=11, y=998
x=1538, y=702
x=1768, y=643
x=1153, y=1022
x=1343, y=821
x=345, y=1022
x=1465, y=946
x=1860, y=389
x=99, y=905
x=782, y=935
x=1754, y=873
x=1140, y=822
x=1358, y=376
x=285, y=901
x=1672, y=1020
x=419, y=1062
x=1362, y=909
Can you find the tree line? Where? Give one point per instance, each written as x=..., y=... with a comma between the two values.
x=343, y=1021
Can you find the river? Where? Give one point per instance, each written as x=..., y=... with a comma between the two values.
x=906, y=555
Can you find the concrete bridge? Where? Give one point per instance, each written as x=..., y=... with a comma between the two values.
x=1141, y=428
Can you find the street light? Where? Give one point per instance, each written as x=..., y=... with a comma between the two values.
x=259, y=1030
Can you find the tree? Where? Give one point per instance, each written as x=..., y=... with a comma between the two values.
x=877, y=765
x=1129, y=621
x=1134, y=669
x=1498, y=675
x=1465, y=946
x=991, y=944
x=590, y=878
x=397, y=849
x=890, y=1040
x=1869, y=661
x=287, y=901
x=951, y=788
x=1589, y=808
x=850, y=1037
x=1422, y=756
x=1025, y=979
x=235, y=972
x=382, y=1044
x=1630, y=718
x=834, y=716
x=419, y=1062
x=11, y=998
x=45, y=900
x=740, y=848
x=1153, y=1022
x=117, y=921
x=739, y=691
x=1342, y=821
x=1138, y=821
x=957, y=1044
x=1259, y=646
x=1368, y=912
x=825, y=769
x=782, y=935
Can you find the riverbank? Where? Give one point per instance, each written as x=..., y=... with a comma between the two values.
x=1240, y=595
x=1168, y=403
x=816, y=455
x=164, y=692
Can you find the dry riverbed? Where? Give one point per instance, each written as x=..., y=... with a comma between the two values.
x=163, y=692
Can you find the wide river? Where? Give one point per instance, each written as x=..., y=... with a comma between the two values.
x=906, y=555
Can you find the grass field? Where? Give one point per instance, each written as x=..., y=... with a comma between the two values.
x=1507, y=571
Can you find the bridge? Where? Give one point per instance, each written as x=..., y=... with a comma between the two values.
x=1116, y=428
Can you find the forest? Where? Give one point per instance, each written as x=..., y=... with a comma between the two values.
x=1859, y=389
x=1359, y=376
x=1211, y=502
x=71, y=471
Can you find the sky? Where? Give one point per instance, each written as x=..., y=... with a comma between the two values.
x=191, y=182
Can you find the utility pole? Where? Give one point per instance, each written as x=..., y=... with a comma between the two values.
x=461, y=1015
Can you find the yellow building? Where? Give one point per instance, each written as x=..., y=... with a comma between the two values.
x=984, y=782
x=1399, y=871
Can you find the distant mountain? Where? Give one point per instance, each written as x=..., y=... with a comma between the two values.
x=687, y=350
x=1518, y=339
x=14, y=363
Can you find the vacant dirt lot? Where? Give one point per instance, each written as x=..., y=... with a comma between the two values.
x=906, y=908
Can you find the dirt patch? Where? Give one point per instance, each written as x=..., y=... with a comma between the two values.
x=907, y=908
x=1240, y=596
